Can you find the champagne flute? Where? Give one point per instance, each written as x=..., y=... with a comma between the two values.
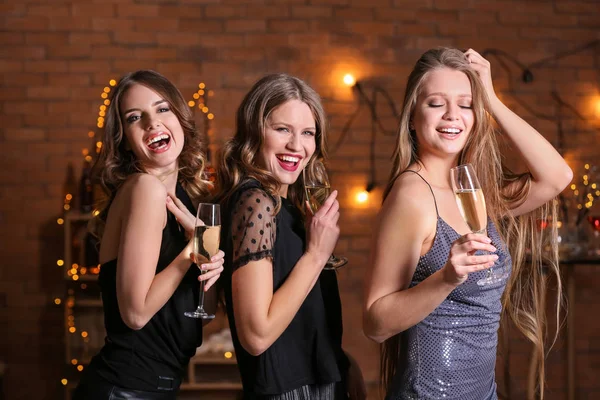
x=317, y=189
x=207, y=233
x=471, y=204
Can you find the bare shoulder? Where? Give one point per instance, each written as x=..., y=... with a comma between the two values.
x=410, y=196
x=144, y=184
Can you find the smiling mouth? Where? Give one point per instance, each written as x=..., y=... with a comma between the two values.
x=289, y=163
x=451, y=132
x=158, y=142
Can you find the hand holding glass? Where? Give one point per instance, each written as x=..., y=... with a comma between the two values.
x=207, y=233
x=317, y=188
x=471, y=204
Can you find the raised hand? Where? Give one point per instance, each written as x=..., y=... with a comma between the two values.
x=322, y=228
x=462, y=260
x=483, y=69
x=185, y=218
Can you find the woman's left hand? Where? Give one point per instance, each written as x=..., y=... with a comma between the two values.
x=186, y=219
x=483, y=69
x=355, y=381
x=212, y=269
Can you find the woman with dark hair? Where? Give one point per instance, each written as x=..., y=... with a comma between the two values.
x=284, y=309
x=150, y=167
x=422, y=294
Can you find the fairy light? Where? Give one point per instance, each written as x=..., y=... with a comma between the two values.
x=349, y=80
x=60, y=221
x=228, y=354
x=60, y=263
x=362, y=196
x=57, y=301
x=74, y=361
x=64, y=381
x=80, y=368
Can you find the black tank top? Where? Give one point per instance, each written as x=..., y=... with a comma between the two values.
x=152, y=358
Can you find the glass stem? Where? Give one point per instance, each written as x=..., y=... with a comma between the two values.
x=201, y=296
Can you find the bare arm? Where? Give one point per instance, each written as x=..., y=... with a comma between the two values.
x=141, y=292
x=260, y=315
x=405, y=222
x=549, y=171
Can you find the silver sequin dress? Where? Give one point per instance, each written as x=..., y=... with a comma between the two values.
x=451, y=354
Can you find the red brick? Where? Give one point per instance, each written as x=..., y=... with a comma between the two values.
x=108, y=52
x=269, y=11
x=225, y=11
x=416, y=29
x=88, y=66
x=25, y=107
x=179, y=10
x=91, y=10
x=439, y=17
x=285, y=26
x=89, y=38
x=14, y=10
x=245, y=25
x=11, y=66
x=48, y=92
x=513, y=18
x=354, y=13
x=396, y=15
x=371, y=28
x=577, y=7
x=11, y=38
x=70, y=24
x=112, y=24
x=267, y=40
x=53, y=10
x=11, y=93
x=479, y=17
x=155, y=53
x=156, y=24
x=25, y=135
x=311, y=12
x=182, y=39
x=222, y=40
x=194, y=27
x=70, y=51
x=135, y=37
x=137, y=11
x=35, y=23
x=47, y=38
x=451, y=4
x=457, y=30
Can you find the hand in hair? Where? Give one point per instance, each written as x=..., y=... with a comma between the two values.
x=484, y=70
x=462, y=259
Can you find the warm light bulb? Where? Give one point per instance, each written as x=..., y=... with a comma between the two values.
x=80, y=368
x=228, y=354
x=362, y=196
x=57, y=301
x=210, y=116
x=64, y=381
x=112, y=82
x=60, y=221
x=349, y=80
x=60, y=263
x=74, y=361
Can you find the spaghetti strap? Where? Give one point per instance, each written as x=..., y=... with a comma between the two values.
x=430, y=189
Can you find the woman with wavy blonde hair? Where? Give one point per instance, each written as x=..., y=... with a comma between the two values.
x=150, y=167
x=284, y=309
x=439, y=327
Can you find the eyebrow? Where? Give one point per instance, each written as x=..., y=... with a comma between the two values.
x=444, y=95
x=290, y=126
x=137, y=109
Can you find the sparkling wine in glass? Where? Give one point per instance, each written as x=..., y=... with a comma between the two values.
x=317, y=188
x=471, y=204
x=206, y=244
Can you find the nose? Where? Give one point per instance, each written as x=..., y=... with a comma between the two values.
x=452, y=112
x=151, y=121
x=294, y=142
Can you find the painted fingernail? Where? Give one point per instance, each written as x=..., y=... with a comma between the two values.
x=495, y=257
x=203, y=266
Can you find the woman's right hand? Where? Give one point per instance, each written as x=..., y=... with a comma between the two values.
x=322, y=228
x=462, y=260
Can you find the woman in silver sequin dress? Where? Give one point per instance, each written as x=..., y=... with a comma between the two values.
x=422, y=299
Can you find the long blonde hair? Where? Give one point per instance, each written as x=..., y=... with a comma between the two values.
x=116, y=163
x=523, y=297
x=238, y=161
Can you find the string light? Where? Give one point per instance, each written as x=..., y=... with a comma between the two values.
x=349, y=80
x=362, y=196
x=228, y=354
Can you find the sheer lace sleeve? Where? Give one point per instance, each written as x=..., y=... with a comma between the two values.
x=253, y=227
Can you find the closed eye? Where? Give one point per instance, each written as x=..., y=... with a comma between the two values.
x=436, y=105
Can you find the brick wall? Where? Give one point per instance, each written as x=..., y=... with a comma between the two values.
x=57, y=56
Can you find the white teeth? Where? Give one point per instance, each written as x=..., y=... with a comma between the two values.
x=289, y=159
x=155, y=139
x=450, y=130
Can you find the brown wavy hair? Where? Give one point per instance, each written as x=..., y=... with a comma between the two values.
x=116, y=163
x=523, y=298
x=239, y=156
